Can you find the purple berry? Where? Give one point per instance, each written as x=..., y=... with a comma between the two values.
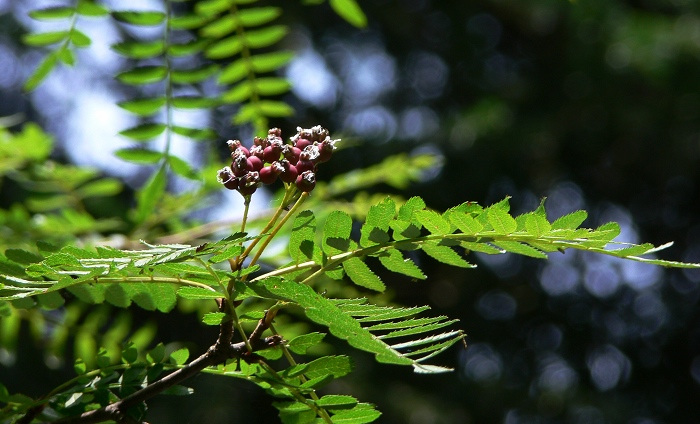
x=225, y=176
x=302, y=143
x=289, y=172
x=306, y=181
x=249, y=183
x=268, y=175
x=255, y=163
x=272, y=153
x=240, y=166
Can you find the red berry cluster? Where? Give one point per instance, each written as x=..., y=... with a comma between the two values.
x=271, y=158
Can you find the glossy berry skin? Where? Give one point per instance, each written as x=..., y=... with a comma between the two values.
x=249, y=183
x=272, y=153
x=302, y=143
x=291, y=153
x=325, y=150
x=255, y=163
x=304, y=165
x=240, y=166
x=268, y=175
x=290, y=173
x=306, y=181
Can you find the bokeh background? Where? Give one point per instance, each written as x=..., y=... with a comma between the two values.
x=594, y=104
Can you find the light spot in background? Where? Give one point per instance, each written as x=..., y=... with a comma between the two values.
x=376, y=123
x=601, y=279
x=481, y=363
x=497, y=305
x=311, y=79
x=427, y=73
x=487, y=27
x=651, y=311
x=10, y=73
x=504, y=265
x=418, y=122
x=545, y=337
x=586, y=415
x=556, y=375
x=640, y=276
x=695, y=369
x=564, y=198
x=558, y=278
x=608, y=367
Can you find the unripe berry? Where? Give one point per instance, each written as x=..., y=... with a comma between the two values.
x=249, y=183
x=269, y=174
x=304, y=165
x=275, y=131
x=240, y=165
x=289, y=173
x=236, y=145
x=306, y=181
x=256, y=150
x=302, y=143
x=325, y=150
x=291, y=153
x=272, y=153
x=255, y=163
x=225, y=176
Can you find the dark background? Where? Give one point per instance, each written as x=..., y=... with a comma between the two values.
x=594, y=104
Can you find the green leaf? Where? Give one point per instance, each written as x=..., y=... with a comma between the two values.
x=301, y=344
x=143, y=107
x=143, y=75
x=139, y=49
x=195, y=75
x=234, y=72
x=198, y=293
x=66, y=56
x=336, y=233
x=362, y=275
x=537, y=225
x=258, y=15
x=301, y=245
x=570, y=221
x=195, y=133
x=335, y=366
x=265, y=37
x=143, y=132
x=180, y=356
x=465, y=223
x=90, y=8
x=238, y=93
x=215, y=318
x=271, y=86
x=79, y=39
x=140, y=156
x=356, y=416
x=49, y=13
x=267, y=62
x=350, y=11
x=394, y=261
x=41, y=72
x=182, y=168
x=433, y=222
x=336, y=402
x=270, y=108
x=157, y=354
x=446, y=255
x=189, y=21
x=187, y=49
x=501, y=221
x=225, y=48
x=218, y=28
x=44, y=38
x=100, y=188
x=141, y=18
x=212, y=7
x=520, y=249
x=22, y=256
x=150, y=194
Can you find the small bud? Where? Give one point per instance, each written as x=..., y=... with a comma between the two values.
x=306, y=181
x=257, y=150
x=225, y=176
x=291, y=153
x=289, y=172
x=249, y=183
x=325, y=149
x=275, y=131
x=240, y=166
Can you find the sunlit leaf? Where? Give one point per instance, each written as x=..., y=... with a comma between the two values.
x=258, y=15
x=139, y=49
x=149, y=195
x=90, y=8
x=101, y=187
x=187, y=49
x=267, y=62
x=143, y=75
x=225, y=48
x=49, y=13
x=266, y=36
x=144, y=132
x=182, y=168
x=79, y=39
x=350, y=11
x=142, y=18
x=44, y=38
x=143, y=107
x=195, y=75
x=195, y=133
x=41, y=72
x=189, y=21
